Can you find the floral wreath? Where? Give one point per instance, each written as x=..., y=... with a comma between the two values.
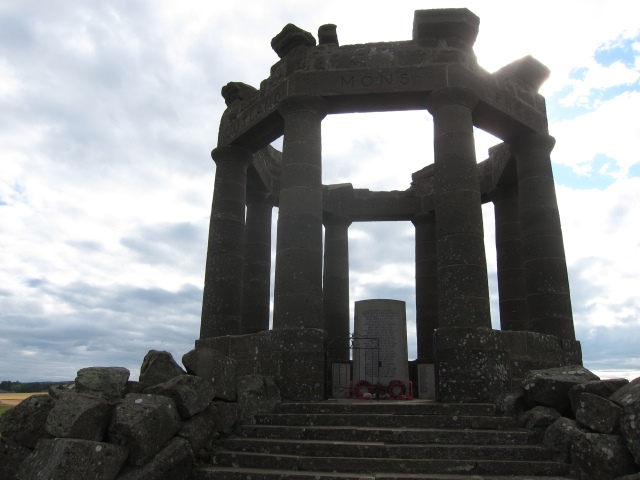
x=358, y=390
x=397, y=390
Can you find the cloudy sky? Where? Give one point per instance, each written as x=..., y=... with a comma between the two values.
x=109, y=111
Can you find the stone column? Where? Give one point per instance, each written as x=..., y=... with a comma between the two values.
x=221, y=299
x=514, y=313
x=545, y=265
x=335, y=306
x=426, y=285
x=462, y=268
x=256, y=294
x=298, y=276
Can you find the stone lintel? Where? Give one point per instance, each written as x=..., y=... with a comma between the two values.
x=531, y=71
x=459, y=23
x=381, y=206
x=264, y=173
x=388, y=89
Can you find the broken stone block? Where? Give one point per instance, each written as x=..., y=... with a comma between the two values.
x=602, y=388
x=560, y=436
x=56, y=391
x=173, y=462
x=539, y=417
x=79, y=416
x=144, y=423
x=595, y=456
x=327, y=35
x=107, y=382
x=199, y=429
x=214, y=367
x=190, y=393
x=227, y=415
x=627, y=395
x=599, y=414
x=550, y=387
x=630, y=428
x=72, y=459
x=24, y=423
x=158, y=367
x=11, y=456
x=291, y=37
x=257, y=394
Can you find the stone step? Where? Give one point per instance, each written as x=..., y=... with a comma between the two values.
x=217, y=472
x=372, y=407
x=388, y=420
x=391, y=435
x=380, y=450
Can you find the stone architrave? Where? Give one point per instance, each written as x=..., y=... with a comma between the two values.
x=384, y=320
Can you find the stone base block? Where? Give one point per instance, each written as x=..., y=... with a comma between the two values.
x=293, y=357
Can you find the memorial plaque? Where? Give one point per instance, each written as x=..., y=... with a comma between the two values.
x=380, y=330
x=426, y=381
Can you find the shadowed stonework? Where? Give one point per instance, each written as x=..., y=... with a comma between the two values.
x=436, y=70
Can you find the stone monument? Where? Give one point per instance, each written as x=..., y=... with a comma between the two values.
x=435, y=70
x=386, y=322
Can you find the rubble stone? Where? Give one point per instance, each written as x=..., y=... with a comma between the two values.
x=560, y=436
x=599, y=414
x=173, y=462
x=190, y=393
x=25, y=423
x=108, y=382
x=144, y=423
x=71, y=459
x=79, y=416
x=602, y=388
x=11, y=456
x=630, y=428
x=158, y=367
x=550, y=387
x=599, y=457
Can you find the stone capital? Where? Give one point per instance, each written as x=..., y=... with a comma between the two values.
x=532, y=141
x=231, y=153
x=443, y=97
x=303, y=103
x=336, y=219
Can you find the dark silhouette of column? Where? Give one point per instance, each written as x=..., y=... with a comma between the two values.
x=426, y=285
x=298, y=276
x=256, y=294
x=514, y=313
x=462, y=267
x=335, y=284
x=545, y=265
x=222, y=296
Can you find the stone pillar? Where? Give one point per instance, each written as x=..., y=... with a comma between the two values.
x=221, y=299
x=298, y=276
x=335, y=306
x=426, y=285
x=514, y=313
x=256, y=294
x=545, y=265
x=462, y=268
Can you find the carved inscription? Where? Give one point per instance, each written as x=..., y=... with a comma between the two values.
x=510, y=105
x=384, y=320
x=373, y=80
x=253, y=113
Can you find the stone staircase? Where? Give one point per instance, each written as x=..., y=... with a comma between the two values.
x=383, y=440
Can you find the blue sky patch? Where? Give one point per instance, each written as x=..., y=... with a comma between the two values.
x=600, y=177
x=634, y=171
x=622, y=51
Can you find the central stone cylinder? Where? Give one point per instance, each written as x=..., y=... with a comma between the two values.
x=462, y=267
x=298, y=276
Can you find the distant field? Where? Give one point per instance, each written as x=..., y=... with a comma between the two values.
x=12, y=399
